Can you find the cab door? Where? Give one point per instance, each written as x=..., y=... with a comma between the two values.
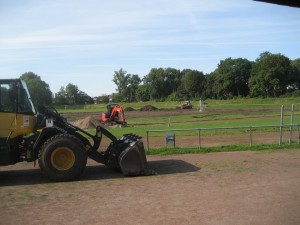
x=7, y=118
x=17, y=114
x=7, y=107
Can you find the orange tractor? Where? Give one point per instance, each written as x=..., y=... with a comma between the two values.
x=114, y=114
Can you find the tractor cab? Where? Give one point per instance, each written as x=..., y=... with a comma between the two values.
x=114, y=114
x=17, y=115
x=14, y=97
x=111, y=106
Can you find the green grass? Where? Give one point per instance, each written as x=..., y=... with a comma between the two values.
x=141, y=126
x=229, y=148
x=257, y=102
x=219, y=114
x=242, y=103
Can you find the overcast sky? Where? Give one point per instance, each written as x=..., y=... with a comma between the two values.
x=84, y=42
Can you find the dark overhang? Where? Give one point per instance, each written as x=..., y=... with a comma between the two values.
x=282, y=2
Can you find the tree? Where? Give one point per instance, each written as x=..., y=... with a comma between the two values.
x=172, y=78
x=104, y=98
x=84, y=98
x=232, y=77
x=154, y=81
x=193, y=83
x=209, y=90
x=39, y=90
x=162, y=82
x=271, y=75
x=133, y=84
x=127, y=85
x=72, y=93
x=61, y=97
x=296, y=74
x=121, y=80
x=143, y=93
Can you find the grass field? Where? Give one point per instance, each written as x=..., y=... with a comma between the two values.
x=242, y=103
x=218, y=114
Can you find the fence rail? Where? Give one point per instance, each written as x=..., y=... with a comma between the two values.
x=250, y=129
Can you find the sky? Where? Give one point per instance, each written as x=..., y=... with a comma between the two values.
x=85, y=42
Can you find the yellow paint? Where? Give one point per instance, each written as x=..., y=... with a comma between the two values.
x=13, y=125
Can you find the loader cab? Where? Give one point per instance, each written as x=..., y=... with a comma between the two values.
x=15, y=98
x=17, y=115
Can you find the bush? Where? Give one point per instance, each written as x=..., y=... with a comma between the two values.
x=292, y=94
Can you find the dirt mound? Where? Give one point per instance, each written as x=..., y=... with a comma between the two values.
x=88, y=122
x=148, y=108
x=129, y=109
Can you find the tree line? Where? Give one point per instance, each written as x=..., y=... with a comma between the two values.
x=41, y=94
x=270, y=75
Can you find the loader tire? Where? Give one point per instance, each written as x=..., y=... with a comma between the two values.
x=62, y=158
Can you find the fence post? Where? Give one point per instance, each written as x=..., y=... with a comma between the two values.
x=199, y=140
x=291, y=126
x=281, y=123
x=298, y=134
x=147, y=141
x=250, y=136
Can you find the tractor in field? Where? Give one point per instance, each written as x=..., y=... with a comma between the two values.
x=114, y=114
x=60, y=148
x=186, y=105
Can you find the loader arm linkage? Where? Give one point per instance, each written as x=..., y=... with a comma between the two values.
x=126, y=153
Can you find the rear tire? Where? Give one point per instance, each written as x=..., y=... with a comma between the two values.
x=62, y=158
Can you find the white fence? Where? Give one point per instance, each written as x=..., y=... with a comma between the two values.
x=289, y=132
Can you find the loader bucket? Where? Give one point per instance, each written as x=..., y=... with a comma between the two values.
x=126, y=154
x=132, y=160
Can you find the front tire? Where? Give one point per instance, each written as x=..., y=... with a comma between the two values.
x=62, y=158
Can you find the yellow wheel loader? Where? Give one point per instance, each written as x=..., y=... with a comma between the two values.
x=60, y=148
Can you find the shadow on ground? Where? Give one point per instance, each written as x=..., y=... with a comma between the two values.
x=92, y=172
x=171, y=166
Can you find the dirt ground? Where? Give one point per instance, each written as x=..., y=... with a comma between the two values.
x=214, y=188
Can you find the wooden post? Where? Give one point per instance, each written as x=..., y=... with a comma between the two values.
x=291, y=125
x=281, y=123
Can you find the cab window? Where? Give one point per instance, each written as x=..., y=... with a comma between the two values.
x=24, y=105
x=7, y=97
